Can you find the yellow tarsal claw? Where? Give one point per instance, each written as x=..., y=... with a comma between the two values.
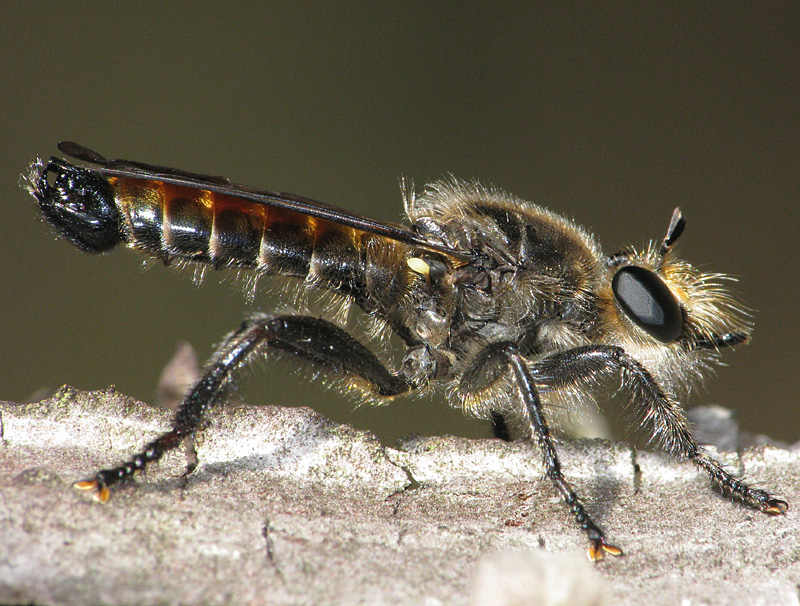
x=777, y=508
x=597, y=551
x=101, y=493
x=85, y=485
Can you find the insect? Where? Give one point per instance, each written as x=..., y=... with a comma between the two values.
x=513, y=308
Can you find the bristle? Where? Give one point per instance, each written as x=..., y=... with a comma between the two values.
x=31, y=179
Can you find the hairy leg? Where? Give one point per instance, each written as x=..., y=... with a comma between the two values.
x=486, y=367
x=319, y=342
x=656, y=409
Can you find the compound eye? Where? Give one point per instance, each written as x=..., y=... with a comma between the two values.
x=648, y=302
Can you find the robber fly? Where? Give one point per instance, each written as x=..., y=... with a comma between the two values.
x=513, y=308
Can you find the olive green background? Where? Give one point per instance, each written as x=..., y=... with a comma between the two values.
x=610, y=115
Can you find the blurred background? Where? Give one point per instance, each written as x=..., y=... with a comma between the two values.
x=612, y=116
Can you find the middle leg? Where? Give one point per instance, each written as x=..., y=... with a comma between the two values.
x=486, y=367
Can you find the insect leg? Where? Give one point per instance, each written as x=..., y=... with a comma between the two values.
x=670, y=428
x=500, y=427
x=314, y=340
x=486, y=367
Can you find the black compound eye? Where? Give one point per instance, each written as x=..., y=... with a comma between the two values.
x=648, y=302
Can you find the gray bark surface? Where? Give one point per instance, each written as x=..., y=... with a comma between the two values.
x=287, y=507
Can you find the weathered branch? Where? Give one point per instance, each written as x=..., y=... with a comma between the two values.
x=287, y=507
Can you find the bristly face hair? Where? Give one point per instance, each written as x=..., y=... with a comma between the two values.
x=513, y=309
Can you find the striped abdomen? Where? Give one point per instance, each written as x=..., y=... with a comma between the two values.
x=175, y=222
x=203, y=220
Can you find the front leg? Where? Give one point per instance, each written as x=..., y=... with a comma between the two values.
x=655, y=408
x=312, y=340
x=486, y=367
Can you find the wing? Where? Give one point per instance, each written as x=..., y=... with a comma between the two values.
x=221, y=185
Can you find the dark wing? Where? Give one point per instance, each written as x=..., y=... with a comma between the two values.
x=221, y=185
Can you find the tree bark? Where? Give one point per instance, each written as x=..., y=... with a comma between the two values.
x=287, y=507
